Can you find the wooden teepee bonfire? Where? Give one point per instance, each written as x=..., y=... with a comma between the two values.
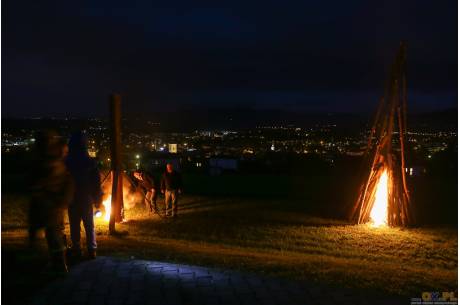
x=384, y=197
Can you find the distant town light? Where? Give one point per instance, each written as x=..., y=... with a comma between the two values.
x=138, y=156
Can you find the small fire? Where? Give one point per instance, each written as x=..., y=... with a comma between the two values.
x=379, y=212
x=130, y=198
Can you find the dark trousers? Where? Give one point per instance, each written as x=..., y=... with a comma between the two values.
x=55, y=237
x=52, y=221
x=77, y=214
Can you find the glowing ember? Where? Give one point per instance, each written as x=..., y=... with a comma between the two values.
x=379, y=212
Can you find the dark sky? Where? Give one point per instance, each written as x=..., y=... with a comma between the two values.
x=65, y=57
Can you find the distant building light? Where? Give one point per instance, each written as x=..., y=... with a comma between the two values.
x=138, y=156
x=172, y=148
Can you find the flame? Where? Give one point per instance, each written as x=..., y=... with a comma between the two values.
x=107, y=203
x=379, y=212
x=130, y=197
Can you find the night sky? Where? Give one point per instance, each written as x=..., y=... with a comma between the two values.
x=65, y=57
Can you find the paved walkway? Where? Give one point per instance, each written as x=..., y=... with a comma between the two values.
x=107, y=281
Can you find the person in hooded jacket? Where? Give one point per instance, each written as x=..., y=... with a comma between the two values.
x=87, y=193
x=51, y=191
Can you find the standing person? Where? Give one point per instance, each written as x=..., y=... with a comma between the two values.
x=147, y=183
x=51, y=192
x=87, y=192
x=171, y=186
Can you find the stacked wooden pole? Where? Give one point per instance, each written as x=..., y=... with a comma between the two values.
x=392, y=109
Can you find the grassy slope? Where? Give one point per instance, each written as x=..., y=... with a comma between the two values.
x=277, y=238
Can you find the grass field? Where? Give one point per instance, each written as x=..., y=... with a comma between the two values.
x=275, y=238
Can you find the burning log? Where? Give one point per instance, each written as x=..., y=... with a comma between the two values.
x=384, y=197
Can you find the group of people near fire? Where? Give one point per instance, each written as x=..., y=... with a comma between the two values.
x=66, y=179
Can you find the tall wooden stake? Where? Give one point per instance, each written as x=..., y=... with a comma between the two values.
x=116, y=214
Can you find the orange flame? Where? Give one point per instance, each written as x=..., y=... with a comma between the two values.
x=107, y=203
x=130, y=197
x=379, y=212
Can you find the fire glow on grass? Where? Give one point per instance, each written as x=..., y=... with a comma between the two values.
x=379, y=212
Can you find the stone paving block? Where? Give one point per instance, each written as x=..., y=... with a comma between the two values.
x=212, y=300
x=247, y=298
x=204, y=291
x=96, y=300
x=230, y=302
x=186, y=277
x=268, y=301
x=204, y=281
x=185, y=268
x=154, y=268
x=230, y=299
x=79, y=297
x=86, y=285
x=221, y=282
x=159, y=301
x=255, y=281
x=114, y=302
x=200, y=271
x=136, y=277
x=225, y=292
x=261, y=292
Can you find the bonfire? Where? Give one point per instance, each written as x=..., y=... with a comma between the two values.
x=384, y=197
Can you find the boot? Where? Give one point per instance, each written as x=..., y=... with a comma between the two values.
x=74, y=255
x=58, y=263
x=92, y=253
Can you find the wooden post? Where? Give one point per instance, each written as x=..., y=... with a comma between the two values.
x=116, y=214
